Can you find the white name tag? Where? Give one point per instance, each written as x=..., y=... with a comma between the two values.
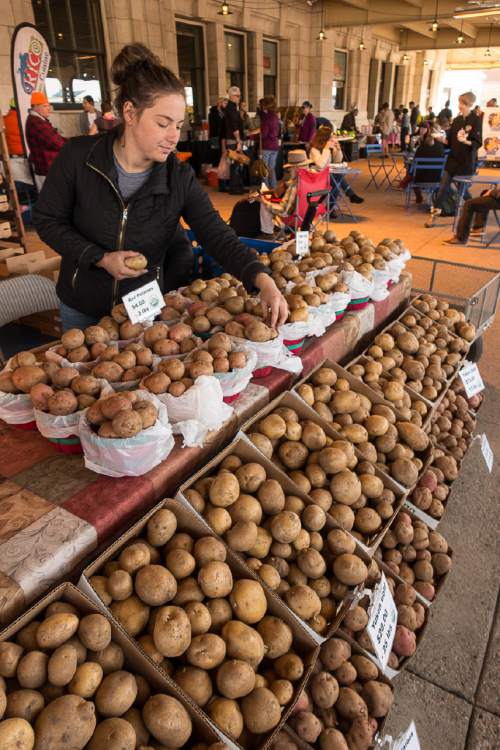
x=302, y=243
x=408, y=740
x=144, y=303
x=487, y=452
x=471, y=378
x=381, y=626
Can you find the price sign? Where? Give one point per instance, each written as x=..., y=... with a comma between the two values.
x=471, y=378
x=408, y=740
x=144, y=303
x=302, y=243
x=487, y=452
x=383, y=620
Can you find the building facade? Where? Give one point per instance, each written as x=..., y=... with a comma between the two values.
x=263, y=46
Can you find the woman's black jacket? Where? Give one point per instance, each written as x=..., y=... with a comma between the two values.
x=81, y=215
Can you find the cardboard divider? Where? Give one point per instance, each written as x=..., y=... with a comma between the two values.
x=135, y=660
x=293, y=401
x=190, y=522
x=419, y=634
x=246, y=450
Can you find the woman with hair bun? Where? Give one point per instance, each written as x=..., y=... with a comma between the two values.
x=110, y=197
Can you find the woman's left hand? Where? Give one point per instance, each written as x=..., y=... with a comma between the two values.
x=272, y=299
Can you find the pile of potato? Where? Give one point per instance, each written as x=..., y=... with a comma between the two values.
x=412, y=616
x=328, y=471
x=206, y=319
x=211, y=632
x=64, y=683
x=454, y=424
x=122, y=415
x=345, y=702
x=126, y=366
x=433, y=487
x=219, y=354
x=25, y=373
x=416, y=554
x=390, y=444
x=175, y=306
x=68, y=393
x=287, y=542
x=441, y=313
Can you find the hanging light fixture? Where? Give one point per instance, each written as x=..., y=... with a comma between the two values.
x=460, y=38
x=225, y=10
x=426, y=61
x=361, y=45
x=487, y=52
x=405, y=56
x=321, y=36
x=435, y=25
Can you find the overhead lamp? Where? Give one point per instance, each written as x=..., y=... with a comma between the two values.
x=321, y=36
x=487, y=52
x=426, y=62
x=460, y=38
x=224, y=10
x=435, y=26
x=491, y=10
x=405, y=57
x=361, y=46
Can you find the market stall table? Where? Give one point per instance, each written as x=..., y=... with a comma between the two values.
x=54, y=512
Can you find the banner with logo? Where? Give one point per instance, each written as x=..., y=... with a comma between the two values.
x=30, y=59
x=491, y=135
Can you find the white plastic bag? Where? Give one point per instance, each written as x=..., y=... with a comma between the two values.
x=16, y=408
x=235, y=382
x=380, y=280
x=312, y=327
x=198, y=411
x=272, y=354
x=129, y=457
x=51, y=426
x=340, y=302
x=325, y=313
x=359, y=286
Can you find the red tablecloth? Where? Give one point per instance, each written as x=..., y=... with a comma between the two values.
x=54, y=512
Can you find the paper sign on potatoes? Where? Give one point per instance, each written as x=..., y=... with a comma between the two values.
x=302, y=243
x=408, y=740
x=144, y=303
x=381, y=626
x=471, y=379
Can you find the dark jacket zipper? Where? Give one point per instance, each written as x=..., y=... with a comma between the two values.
x=121, y=231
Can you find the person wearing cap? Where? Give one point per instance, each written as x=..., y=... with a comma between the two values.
x=12, y=132
x=349, y=121
x=44, y=141
x=307, y=124
x=284, y=199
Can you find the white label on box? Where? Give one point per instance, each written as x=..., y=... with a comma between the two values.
x=408, y=740
x=381, y=626
x=422, y=515
x=487, y=452
x=471, y=378
x=144, y=303
x=301, y=243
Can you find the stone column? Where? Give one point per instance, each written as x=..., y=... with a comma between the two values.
x=255, y=69
x=217, y=65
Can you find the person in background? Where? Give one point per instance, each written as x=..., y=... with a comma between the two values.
x=478, y=111
x=405, y=129
x=430, y=148
x=464, y=139
x=326, y=150
x=270, y=128
x=349, y=121
x=492, y=102
x=107, y=121
x=12, y=132
x=216, y=118
x=307, y=124
x=446, y=112
x=474, y=216
x=323, y=122
x=44, y=141
x=386, y=123
x=88, y=116
x=245, y=119
x=414, y=117
x=283, y=200
x=233, y=133
x=430, y=114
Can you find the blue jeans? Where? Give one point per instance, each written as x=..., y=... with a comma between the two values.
x=269, y=158
x=71, y=318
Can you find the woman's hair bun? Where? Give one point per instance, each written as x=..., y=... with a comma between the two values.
x=130, y=56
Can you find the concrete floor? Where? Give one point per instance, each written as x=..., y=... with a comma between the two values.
x=452, y=686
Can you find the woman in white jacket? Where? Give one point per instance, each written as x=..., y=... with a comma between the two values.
x=326, y=150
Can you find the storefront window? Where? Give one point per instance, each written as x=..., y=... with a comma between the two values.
x=73, y=30
x=270, y=54
x=339, y=80
x=235, y=61
x=191, y=58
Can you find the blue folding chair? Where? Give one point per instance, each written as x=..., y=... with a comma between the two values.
x=379, y=161
x=422, y=165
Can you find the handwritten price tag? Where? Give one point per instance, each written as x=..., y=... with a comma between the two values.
x=144, y=303
x=381, y=626
x=487, y=452
x=471, y=378
x=408, y=740
x=302, y=243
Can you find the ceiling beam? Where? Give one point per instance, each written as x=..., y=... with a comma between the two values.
x=384, y=12
x=446, y=40
x=419, y=27
x=468, y=29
